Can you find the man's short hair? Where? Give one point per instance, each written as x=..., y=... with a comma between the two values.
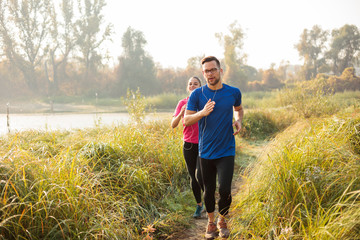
x=209, y=59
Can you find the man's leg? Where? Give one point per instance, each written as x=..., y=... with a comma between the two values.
x=208, y=170
x=225, y=167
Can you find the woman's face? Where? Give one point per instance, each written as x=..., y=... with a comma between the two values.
x=193, y=84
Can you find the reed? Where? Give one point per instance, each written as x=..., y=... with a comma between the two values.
x=165, y=100
x=99, y=183
x=260, y=99
x=305, y=186
x=260, y=124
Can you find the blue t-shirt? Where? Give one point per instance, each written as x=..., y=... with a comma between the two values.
x=216, y=137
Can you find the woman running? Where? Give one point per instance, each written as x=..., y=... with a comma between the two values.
x=190, y=147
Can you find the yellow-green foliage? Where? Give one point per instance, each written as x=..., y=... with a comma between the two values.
x=310, y=99
x=101, y=183
x=258, y=125
x=306, y=186
x=165, y=100
x=264, y=124
x=259, y=99
x=347, y=81
x=135, y=105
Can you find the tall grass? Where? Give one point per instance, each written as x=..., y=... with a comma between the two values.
x=260, y=124
x=129, y=181
x=311, y=99
x=164, y=101
x=348, y=98
x=102, y=183
x=306, y=185
x=261, y=99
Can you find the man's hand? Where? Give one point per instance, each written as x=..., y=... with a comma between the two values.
x=239, y=114
x=208, y=108
x=237, y=125
x=192, y=117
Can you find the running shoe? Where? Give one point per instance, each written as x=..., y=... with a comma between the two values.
x=211, y=231
x=224, y=232
x=198, y=211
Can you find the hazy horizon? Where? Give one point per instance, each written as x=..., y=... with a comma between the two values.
x=178, y=30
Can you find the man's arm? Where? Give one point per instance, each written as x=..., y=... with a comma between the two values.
x=238, y=114
x=192, y=117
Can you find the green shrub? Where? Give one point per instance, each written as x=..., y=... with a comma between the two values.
x=258, y=125
x=264, y=124
x=135, y=105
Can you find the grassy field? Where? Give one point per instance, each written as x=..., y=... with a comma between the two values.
x=130, y=181
x=106, y=183
x=306, y=185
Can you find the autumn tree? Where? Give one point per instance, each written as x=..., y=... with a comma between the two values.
x=235, y=58
x=62, y=41
x=91, y=33
x=173, y=80
x=23, y=32
x=193, y=67
x=136, y=68
x=311, y=48
x=194, y=63
x=344, y=48
x=270, y=79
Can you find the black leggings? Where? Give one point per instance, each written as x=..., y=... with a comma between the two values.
x=224, y=168
x=191, y=152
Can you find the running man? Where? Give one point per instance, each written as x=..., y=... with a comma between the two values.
x=213, y=106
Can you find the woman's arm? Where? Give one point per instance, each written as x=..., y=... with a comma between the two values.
x=176, y=119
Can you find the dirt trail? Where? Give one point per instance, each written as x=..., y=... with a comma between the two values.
x=199, y=225
x=197, y=232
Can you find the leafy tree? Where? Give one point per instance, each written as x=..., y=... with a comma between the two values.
x=23, y=30
x=136, y=69
x=173, y=80
x=62, y=40
x=90, y=36
x=167, y=78
x=347, y=81
x=270, y=79
x=235, y=59
x=344, y=48
x=193, y=67
x=311, y=48
x=281, y=71
x=10, y=86
x=250, y=72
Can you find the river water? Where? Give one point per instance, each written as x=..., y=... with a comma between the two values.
x=56, y=121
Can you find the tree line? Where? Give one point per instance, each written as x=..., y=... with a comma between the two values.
x=57, y=48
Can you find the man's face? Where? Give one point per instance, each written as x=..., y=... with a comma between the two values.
x=211, y=73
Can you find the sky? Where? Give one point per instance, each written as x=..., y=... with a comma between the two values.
x=178, y=30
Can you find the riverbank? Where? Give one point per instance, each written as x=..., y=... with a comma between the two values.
x=68, y=120
x=41, y=107
x=34, y=106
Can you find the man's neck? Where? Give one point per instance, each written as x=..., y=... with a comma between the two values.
x=215, y=87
